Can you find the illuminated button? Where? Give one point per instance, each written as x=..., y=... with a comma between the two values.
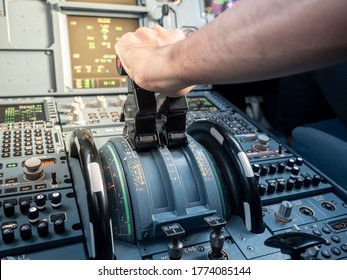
x=11, y=181
x=40, y=186
x=25, y=188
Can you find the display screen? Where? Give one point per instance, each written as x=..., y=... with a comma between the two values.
x=122, y=2
x=93, y=58
x=22, y=113
x=339, y=225
x=215, y=7
x=200, y=104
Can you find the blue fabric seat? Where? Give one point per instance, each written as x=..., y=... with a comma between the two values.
x=324, y=144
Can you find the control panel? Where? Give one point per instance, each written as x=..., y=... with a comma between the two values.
x=89, y=169
x=41, y=198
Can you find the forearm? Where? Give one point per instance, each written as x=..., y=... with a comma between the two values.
x=263, y=39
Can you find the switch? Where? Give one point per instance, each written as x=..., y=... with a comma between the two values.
x=175, y=247
x=217, y=237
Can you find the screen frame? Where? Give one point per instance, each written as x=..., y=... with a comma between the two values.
x=91, y=10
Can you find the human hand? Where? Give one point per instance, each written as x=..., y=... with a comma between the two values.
x=146, y=56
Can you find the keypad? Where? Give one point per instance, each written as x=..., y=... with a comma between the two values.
x=26, y=139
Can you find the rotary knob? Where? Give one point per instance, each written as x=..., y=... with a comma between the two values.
x=24, y=206
x=33, y=215
x=284, y=213
x=8, y=235
x=262, y=142
x=56, y=199
x=25, y=231
x=42, y=228
x=33, y=169
x=9, y=209
x=101, y=101
x=40, y=201
x=59, y=226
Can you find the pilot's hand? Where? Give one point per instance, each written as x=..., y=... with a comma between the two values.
x=147, y=58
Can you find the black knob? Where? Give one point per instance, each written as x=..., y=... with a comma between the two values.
x=290, y=164
x=256, y=167
x=262, y=189
x=273, y=168
x=56, y=199
x=264, y=169
x=59, y=226
x=281, y=184
x=294, y=243
x=299, y=183
x=25, y=231
x=8, y=235
x=316, y=179
x=33, y=214
x=9, y=209
x=295, y=172
x=40, y=201
x=271, y=187
x=299, y=161
x=24, y=206
x=42, y=228
x=256, y=176
x=290, y=184
x=308, y=181
x=281, y=167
